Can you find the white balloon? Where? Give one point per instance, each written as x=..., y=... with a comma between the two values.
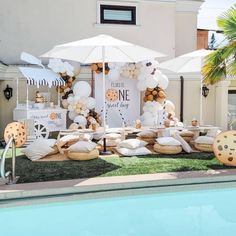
x=72, y=115
x=81, y=120
x=82, y=89
x=114, y=75
x=70, y=99
x=90, y=103
x=141, y=85
x=71, y=108
x=151, y=82
x=163, y=81
x=169, y=106
x=65, y=103
x=76, y=98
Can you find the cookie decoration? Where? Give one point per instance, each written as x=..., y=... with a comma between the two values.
x=18, y=131
x=111, y=95
x=224, y=147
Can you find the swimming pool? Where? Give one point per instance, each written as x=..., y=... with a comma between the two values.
x=192, y=213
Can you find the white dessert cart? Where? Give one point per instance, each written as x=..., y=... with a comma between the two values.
x=47, y=118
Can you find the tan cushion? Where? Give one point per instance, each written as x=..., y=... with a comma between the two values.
x=147, y=134
x=167, y=149
x=186, y=133
x=204, y=147
x=187, y=139
x=110, y=142
x=82, y=156
x=150, y=141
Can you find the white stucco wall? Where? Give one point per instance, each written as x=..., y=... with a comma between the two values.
x=168, y=26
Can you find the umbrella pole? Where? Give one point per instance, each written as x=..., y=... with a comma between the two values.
x=104, y=151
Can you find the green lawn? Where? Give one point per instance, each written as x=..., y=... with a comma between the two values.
x=112, y=166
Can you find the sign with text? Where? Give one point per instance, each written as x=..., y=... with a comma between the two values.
x=122, y=101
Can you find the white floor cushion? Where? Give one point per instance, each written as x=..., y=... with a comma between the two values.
x=168, y=141
x=132, y=143
x=134, y=152
x=110, y=142
x=82, y=146
x=39, y=149
x=204, y=140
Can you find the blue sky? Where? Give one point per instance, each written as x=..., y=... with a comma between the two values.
x=210, y=9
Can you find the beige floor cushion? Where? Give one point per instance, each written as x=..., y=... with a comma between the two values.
x=204, y=147
x=83, y=156
x=150, y=141
x=187, y=135
x=224, y=147
x=167, y=149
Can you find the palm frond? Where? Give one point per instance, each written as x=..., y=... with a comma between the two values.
x=214, y=68
x=227, y=23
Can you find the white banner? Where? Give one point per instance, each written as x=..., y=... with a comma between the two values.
x=122, y=101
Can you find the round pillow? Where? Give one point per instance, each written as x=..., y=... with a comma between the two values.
x=150, y=141
x=167, y=149
x=224, y=147
x=203, y=147
x=187, y=135
x=82, y=156
x=18, y=131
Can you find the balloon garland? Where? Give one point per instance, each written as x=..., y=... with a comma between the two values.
x=67, y=71
x=97, y=67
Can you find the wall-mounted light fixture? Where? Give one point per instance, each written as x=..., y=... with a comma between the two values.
x=8, y=91
x=205, y=91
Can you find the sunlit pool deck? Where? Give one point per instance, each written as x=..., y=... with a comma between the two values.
x=120, y=185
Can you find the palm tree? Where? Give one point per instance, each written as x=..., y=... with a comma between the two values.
x=222, y=62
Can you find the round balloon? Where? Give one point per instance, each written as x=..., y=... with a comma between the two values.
x=72, y=115
x=90, y=103
x=114, y=75
x=141, y=85
x=169, y=106
x=162, y=81
x=82, y=89
x=151, y=82
x=81, y=120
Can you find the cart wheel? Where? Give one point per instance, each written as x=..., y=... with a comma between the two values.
x=40, y=130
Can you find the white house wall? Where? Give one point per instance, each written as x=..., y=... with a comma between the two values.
x=168, y=26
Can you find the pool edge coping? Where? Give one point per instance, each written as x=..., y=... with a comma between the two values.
x=106, y=184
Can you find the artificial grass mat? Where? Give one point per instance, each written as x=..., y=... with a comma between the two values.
x=112, y=166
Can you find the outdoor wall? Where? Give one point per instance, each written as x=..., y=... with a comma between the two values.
x=36, y=26
x=191, y=100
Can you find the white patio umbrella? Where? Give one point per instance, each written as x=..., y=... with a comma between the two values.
x=188, y=63
x=102, y=48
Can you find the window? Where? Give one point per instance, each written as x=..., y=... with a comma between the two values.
x=114, y=14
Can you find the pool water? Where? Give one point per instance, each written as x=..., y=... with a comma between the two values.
x=206, y=212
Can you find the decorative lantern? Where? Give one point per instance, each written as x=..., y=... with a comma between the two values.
x=8, y=92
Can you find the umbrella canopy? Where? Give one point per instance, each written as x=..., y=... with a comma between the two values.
x=102, y=48
x=188, y=63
